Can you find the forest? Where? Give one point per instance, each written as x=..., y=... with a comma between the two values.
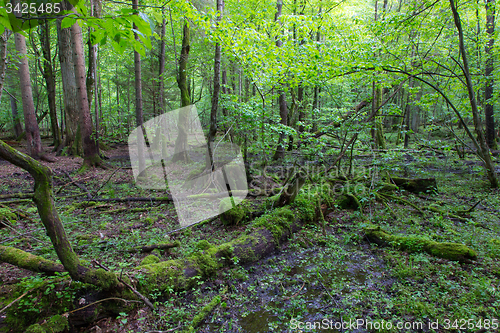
x=249, y=166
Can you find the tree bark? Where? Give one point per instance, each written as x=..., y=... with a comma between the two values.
x=139, y=117
x=72, y=141
x=32, y=130
x=50, y=81
x=90, y=148
x=3, y=57
x=280, y=149
x=488, y=73
x=180, y=150
x=18, y=129
x=483, y=149
x=215, y=96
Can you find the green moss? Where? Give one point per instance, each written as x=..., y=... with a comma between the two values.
x=164, y=275
x=305, y=207
x=107, y=280
x=35, y=328
x=276, y=221
x=203, y=245
x=347, y=201
x=232, y=213
x=451, y=251
x=151, y=259
x=225, y=250
x=205, y=311
x=56, y=323
x=205, y=263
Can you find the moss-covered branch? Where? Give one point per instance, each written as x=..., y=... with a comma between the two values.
x=451, y=251
x=44, y=200
x=263, y=237
x=28, y=261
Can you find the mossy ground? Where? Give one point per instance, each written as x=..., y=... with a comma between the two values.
x=304, y=280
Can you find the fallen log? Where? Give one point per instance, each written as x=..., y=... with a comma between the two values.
x=267, y=232
x=16, y=195
x=29, y=261
x=451, y=251
x=416, y=185
x=149, y=248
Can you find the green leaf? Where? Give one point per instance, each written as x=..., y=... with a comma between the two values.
x=67, y=22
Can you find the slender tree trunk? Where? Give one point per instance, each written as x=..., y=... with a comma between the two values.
x=315, y=107
x=280, y=149
x=488, y=73
x=215, y=96
x=32, y=130
x=139, y=118
x=483, y=150
x=90, y=148
x=180, y=150
x=3, y=57
x=300, y=106
x=18, y=129
x=161, y=61
x=50, y=81
x=44, y=199
x=72, y=140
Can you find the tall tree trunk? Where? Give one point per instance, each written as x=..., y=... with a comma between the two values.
x=215, y=96
x=32, y=131
x=95, y=11
x=139, y=118
x=50, y=81
x=90, y=148
x=72, y=140
x=483, y=150
x=180, y=150
x=3, y=57
x=488, y=73
x=161, y=83
x=161, y=71
x=316, y=105
x=377, y=130
x=280, y=149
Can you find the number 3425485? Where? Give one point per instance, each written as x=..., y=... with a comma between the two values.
x=33, y=8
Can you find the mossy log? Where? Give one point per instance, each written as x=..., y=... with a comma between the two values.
x=44, y=200
x=28, y=261
x=451, y=251
x=264, y=236
x=416, y=185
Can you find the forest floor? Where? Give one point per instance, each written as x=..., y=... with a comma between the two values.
x=318, y=275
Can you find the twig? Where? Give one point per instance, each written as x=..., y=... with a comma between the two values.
x=16, y=300
x=142, y=297
x=287, y=298
x=80, y=186
x=71, y=182
x=102, y=300
x=355, y=136
x=107, y=181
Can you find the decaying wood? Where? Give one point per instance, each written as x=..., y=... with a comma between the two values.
x=416, y=185
x=16, y=195
x=23, y=259
x=77, y=184
x=451, y=251
x=43, y=197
